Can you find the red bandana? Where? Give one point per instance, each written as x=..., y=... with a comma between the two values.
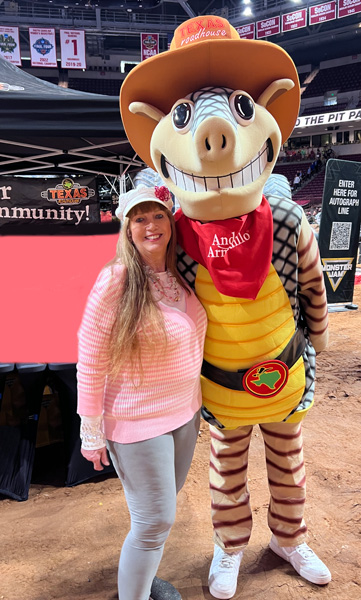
x=237, y=252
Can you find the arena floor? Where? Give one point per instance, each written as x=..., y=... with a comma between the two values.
x=63, y=543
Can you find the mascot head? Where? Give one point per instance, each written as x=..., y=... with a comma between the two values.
x=210, y=115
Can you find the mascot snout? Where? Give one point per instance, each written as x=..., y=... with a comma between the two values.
x=215, y=139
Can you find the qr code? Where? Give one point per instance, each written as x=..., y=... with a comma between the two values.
x=340, y=236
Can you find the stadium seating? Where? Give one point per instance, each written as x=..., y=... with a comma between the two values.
x=108, y=87
x=312, y=190
x=289, y=170
x=316, y=110
x=343, y=78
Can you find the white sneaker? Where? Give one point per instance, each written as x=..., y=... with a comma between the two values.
x=223, y=574
x=304, y=561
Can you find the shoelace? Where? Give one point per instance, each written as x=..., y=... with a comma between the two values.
x=305, y=551
x=228, y=561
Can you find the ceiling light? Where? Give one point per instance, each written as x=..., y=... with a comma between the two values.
x=247, y=11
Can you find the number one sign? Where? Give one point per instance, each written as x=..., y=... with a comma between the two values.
x=72, y=46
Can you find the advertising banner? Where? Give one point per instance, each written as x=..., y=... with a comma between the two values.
x=149, y=44
x=268, y=27
x=247, y=32
x=341, y=116
x=72, y=47
x=48, y=203
x=348, y=7
x=294, y=20
x=42, y=47
x=10, y=45
x=322, y=12
x=340, y=228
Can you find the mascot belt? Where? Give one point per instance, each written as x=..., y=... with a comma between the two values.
x=237, y=380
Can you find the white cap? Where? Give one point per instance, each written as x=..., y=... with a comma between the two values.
x=127, y=201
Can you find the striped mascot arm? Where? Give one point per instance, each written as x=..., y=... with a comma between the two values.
x=312, y=291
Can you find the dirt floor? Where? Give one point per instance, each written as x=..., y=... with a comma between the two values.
x=63, y=543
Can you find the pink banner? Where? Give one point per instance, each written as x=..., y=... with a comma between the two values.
x=348, y=7
x=247, y=32
x=294, y=20
x=322, y=12
x=149, y=44
x=268, y=27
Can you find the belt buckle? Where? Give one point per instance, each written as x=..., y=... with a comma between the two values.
x=266, y=379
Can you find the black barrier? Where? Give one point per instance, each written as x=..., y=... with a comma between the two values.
x=17, y=447
x=18, y=440
x=339, y=230
x=78, y=469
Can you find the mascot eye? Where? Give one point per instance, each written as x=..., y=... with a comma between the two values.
x=182, y=116
x=242, y=107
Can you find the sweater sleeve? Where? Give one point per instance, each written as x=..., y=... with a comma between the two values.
x=93, y=339
x=312, y=292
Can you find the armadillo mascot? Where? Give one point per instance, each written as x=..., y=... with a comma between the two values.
x=209, y=115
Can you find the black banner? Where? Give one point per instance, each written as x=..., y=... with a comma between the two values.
x=48, y=204
x=340, y=228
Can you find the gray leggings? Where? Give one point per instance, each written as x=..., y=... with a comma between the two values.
x=152, y=473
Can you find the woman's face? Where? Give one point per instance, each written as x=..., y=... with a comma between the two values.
x=150, y=231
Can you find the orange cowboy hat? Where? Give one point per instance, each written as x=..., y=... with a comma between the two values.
x=206, y=51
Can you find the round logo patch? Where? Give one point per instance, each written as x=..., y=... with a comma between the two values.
x=266, y=379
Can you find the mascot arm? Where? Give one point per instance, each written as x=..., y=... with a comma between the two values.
x=311, y=284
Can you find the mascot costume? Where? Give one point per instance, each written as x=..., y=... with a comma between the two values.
x=210, y=115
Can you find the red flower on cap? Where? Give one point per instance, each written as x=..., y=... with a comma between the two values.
x=162, y=193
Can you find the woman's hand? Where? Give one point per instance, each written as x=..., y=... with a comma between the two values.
x=97, y=457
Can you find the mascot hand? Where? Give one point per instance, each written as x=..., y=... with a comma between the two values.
x=97, y=457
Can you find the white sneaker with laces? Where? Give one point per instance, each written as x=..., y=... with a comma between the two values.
x=304, y=561
x=223, y=574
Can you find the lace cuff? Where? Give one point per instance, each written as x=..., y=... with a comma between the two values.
x=91, y=433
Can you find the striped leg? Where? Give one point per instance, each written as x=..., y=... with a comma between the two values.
x=286, y=480
x=231, y=512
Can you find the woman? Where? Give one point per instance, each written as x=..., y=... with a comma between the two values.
x=140, y=354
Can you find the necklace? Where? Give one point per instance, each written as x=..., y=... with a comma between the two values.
x=169, y=291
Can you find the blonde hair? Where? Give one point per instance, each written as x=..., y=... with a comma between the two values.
x=136, y=308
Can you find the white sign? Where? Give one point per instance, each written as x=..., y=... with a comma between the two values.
x=10, y=45
x=329, y=118
x=42, y=47
x=72, y=47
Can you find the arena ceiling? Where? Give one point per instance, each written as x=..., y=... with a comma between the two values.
x=326, y=41
x=20, y=148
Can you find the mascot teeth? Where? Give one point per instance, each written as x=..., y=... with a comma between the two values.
x=195, y=183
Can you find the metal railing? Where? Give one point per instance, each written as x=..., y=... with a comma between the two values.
x=120, y=19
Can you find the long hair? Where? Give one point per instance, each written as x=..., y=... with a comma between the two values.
x=138, y=318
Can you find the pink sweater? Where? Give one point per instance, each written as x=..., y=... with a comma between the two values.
x=169, y=394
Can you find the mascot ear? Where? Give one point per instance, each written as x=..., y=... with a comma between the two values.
x=146, y=110
x=274, y=90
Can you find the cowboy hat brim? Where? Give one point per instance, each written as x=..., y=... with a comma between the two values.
x=248, y=65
